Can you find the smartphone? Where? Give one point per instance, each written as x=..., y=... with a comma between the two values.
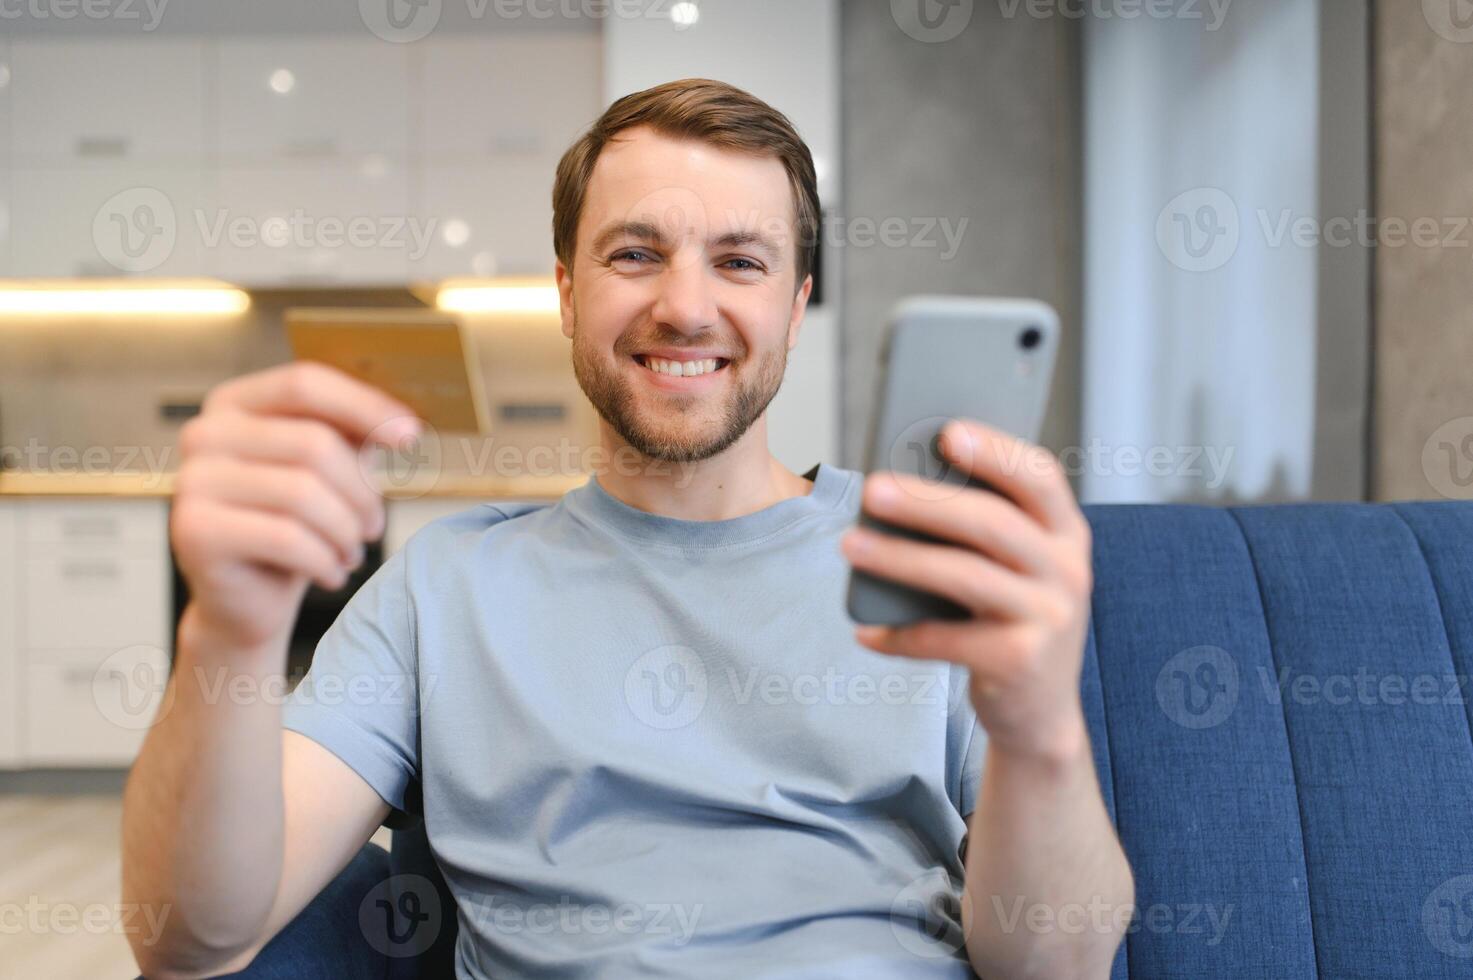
x=422, y=357
x=948, y=357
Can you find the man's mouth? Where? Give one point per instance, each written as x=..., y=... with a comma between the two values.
x=695, y=368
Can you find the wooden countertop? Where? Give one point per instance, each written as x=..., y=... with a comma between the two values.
x=32, y=484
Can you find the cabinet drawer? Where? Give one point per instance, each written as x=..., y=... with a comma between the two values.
x=91, y=708
x=95, y=524
x=105, y=601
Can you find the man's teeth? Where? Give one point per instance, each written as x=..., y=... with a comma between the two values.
x=682, y=368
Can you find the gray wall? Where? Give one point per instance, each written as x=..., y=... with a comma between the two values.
x=982, y=126
x=1423, y=388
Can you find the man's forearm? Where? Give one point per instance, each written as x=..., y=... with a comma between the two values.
x=1048, y=890
x=202, y=809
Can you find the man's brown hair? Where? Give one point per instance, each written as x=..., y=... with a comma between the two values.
x=692, y=108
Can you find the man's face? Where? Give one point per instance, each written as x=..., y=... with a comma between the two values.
x=686, y=253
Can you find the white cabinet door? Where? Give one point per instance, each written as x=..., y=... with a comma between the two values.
x=10, y=703
x=106, y=101
x=106, y=154
x=491, y=150
x=106, y=601
x=337, y=224
x=90, y=708
x=492, y=217
x=119, y=220
x=72, y=526
x=95, y=614
x=510, y=94
x=97, y=575
x=316, y=100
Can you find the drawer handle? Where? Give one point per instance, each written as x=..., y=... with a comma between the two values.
x=90, y=527
x=90, y=570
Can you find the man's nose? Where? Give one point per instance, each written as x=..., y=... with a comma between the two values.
x=687, y=297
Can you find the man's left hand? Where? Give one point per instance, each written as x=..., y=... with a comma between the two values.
x=1019, y=563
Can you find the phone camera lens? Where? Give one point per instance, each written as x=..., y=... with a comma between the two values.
x=1030, y=338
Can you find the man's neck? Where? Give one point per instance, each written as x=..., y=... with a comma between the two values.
x=742, y=480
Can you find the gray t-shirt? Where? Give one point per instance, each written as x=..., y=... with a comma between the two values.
x=647, y=746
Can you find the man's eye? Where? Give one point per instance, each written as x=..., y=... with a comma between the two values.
x=628, y=253
x=750, y=264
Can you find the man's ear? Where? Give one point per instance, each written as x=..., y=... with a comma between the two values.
x=564, y=280
x=800, y=304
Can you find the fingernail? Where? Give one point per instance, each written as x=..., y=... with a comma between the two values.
x=955, y=437
x=405, y=431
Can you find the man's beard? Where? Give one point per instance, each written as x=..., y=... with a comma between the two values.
x=613, y=396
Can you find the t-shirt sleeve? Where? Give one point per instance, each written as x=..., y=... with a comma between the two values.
x=360, y=697
x=966, y=743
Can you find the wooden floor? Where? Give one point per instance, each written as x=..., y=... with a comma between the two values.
x=60, y=889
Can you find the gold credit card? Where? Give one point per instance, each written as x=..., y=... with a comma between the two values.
x=421, y=357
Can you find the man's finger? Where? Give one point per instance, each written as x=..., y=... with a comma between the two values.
x=1027, y=473
x=976, y=583
x=311, y=390
x=989, y=650
x=977, y=519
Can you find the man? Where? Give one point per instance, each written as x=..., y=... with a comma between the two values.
x=643, y=704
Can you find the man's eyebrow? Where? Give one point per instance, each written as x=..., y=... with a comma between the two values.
x=750, y=239
x=642, y=231
x=646, y=232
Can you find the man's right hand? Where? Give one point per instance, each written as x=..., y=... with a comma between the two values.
x=272, y=494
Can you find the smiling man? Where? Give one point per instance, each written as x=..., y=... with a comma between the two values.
x=643, y=735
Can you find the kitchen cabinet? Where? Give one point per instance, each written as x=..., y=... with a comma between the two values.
x=88, y=587
x=272, y=162
x=493, y=217
x=103, y=102
x=490, y=152
x=522, y=94
x=316, y=100
x=326, y=224
x=96, y=711
x=130, y=218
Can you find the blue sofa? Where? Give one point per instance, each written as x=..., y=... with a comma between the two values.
x=1278, y=701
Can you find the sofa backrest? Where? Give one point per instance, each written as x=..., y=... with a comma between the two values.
x=1279, y=706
